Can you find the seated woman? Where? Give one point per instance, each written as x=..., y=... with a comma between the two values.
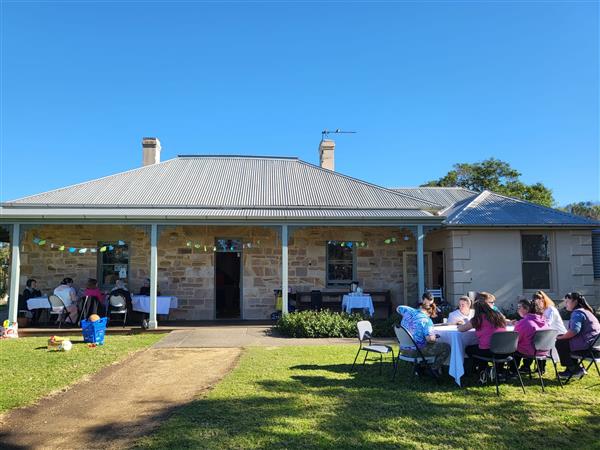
x=145, y=289
x=30, y=291
x=463, y=314
x=583, y=330
x=98, y=305
x=69, y=297
x=531, y=321
x=419, y=325
x=551, y=314
x=486, y=321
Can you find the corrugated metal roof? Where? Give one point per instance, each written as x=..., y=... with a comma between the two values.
x=229, y=182
x=180, y=213
x=490, y=209
x=445, y=196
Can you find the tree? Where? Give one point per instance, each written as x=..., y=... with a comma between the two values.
x=590, y=210
x=497, y=176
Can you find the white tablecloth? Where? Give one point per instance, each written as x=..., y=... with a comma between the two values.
x=38, y=303
x=163, y=304
x=357, y=301
x=458, y=341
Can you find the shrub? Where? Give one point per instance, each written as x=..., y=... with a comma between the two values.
x=325, y=323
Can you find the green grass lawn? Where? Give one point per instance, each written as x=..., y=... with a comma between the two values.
x=305, y=397
x=28, y=371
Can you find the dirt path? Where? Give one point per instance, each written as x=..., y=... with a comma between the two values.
x=120, y=403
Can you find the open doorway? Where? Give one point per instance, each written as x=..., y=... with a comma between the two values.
x=227, y=279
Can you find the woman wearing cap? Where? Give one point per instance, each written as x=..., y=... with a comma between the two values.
x=463, y=314
x=583, y=330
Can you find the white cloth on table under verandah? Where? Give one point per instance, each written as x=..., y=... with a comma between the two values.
x=164, y=304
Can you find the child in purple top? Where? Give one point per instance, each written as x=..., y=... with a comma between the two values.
x=532, y=320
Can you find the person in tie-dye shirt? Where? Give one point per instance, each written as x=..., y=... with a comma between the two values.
x=419, y=324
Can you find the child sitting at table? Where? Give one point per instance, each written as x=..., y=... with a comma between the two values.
x=98, y=305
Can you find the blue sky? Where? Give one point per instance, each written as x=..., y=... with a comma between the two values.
x=425, y=84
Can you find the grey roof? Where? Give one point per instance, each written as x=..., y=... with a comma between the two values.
x=491, y=209
x=444, y=196
x=227, y=182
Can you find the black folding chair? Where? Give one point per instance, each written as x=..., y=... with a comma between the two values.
x=591, y=355
x=365, y=330
x=543, y=342
x=406, y=340
x=502, y=347
x=117, y=305
x=316, y=300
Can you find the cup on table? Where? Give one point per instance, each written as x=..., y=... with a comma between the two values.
x=445, y=320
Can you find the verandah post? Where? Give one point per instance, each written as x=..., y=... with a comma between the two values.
x=284, y=269
x=15, y=272
x=153, y=323
x=420, y=260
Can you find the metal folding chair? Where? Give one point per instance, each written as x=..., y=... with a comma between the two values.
x=592, y=355
x=57, y=307
x=543, y=342
x=502, y=346
x=365, y=330
x=406, y=340
x=117, y=305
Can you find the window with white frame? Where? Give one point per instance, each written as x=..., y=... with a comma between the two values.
x=340, y=263
x=535, y=254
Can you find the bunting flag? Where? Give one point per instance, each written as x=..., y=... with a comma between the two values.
x=202, y=246
x=77, y=250
x=349, y=244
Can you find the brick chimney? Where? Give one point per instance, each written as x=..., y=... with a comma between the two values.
x=150, y=151
x=326, y=149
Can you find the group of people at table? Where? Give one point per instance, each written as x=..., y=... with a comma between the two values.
x=482, y=315
x=98, y=301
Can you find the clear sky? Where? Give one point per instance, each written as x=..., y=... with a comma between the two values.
x=425, y=84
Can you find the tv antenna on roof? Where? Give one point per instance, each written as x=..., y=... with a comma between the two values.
x=326, y=133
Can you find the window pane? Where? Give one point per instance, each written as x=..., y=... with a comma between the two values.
x=340, y=263
x=228, y=245
x=535, y=247
x=340, y=272
x=536, y=276
x=114, y=264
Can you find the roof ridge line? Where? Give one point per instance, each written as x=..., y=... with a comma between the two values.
x=369, y=184
x=471, y=201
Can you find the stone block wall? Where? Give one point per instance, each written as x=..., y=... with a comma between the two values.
x=50, y=265
x=187, y=272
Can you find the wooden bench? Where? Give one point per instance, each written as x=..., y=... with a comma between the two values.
x=332, y=299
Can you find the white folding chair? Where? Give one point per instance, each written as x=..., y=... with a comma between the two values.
x=365, y=331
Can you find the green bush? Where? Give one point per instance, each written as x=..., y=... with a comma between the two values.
x=325, y=324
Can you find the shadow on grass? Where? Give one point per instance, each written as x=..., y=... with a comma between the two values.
x=326, y=406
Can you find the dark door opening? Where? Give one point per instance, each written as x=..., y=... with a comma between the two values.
x=437, y=270
x=227, y=284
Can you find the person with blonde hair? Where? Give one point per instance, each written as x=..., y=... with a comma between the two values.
x=463, y=314
x=551, y=314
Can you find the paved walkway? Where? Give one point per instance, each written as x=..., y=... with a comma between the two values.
x=242, y=336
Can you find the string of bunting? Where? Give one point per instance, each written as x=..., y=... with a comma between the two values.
x=80, y=250
x=223, y=244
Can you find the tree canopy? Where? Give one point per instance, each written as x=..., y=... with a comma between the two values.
x=590, y=210
x=497, y=176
